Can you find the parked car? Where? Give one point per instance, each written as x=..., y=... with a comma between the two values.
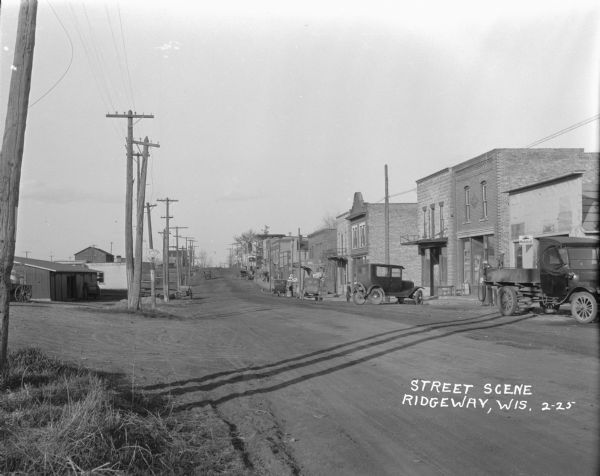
x=375, y=281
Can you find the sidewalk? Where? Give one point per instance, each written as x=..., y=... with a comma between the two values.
x=470, y=300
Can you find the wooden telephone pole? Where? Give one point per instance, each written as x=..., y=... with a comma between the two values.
x=166, y=248
x=177, y=236
x=152, y=258
x=130, y=116
x=11, y=158
x=133, y=298
x=387, y=218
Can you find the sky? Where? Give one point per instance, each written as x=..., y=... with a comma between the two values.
x=274, y=113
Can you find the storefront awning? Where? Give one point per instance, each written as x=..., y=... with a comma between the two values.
x=428, y=242
x=339, y=259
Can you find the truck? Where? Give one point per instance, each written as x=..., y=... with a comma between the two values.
x=566, y=273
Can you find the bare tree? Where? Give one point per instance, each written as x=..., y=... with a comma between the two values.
x=329, y=221
x=204, y=260
x=245, y=240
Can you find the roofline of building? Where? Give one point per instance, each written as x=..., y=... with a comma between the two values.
x=494, y=152
x=548, y=181
x=47, y=266
x=94, y=248
x=439, y=172
x=321, y=230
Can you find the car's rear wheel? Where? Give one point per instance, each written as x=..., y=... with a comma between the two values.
x=376, y=296
x=584, y=307
x=418, y=296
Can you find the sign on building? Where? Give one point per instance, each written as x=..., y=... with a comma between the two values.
x=525, y=239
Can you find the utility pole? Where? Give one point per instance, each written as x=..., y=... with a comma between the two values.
x=11, y=158
x=387, y=219
x=165, y=253
x=166, y=248
x=130, y=116
x=300, y=273
x=190, y=251
x=177, y=265
x=152, y=259
x=133, y=298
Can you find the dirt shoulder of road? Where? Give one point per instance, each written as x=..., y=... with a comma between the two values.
x=92, y=335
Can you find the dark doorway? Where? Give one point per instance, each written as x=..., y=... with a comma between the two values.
x=71, y=287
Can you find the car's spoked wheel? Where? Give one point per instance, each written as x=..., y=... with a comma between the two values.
x=418, y=297
x=359, y=294
x=376, y=296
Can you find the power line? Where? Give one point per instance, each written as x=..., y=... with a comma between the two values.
x=104, y=92
x=397, y=194
x=564, y=131
x=126, y=60
x=114, y=42
x=70, y=60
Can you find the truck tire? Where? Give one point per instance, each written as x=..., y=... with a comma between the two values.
x=418, y=297
x=507, y=300
x=376, y=296
x=584, y=307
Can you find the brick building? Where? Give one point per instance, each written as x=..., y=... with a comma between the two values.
x=552, y=207
x=342, y=255
x=284, y=256
x=435, y=221
x=464, y=211
x=322, y=244
x=367, y=235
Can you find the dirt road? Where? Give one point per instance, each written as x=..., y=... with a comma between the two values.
x=333, y=388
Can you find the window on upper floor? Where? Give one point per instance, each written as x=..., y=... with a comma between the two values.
x=442, y=224
x=354, y=236
x=467, y=204
x=432, y=221
x=424, y=222
x=484, y=203
x=362, y=235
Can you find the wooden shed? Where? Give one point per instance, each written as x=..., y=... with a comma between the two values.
x=91, y=254
x=54, y=281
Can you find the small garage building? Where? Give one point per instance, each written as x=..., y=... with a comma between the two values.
x=54, y=281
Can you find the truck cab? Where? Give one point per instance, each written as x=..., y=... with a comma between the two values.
x=566, y=272
x=568, y=265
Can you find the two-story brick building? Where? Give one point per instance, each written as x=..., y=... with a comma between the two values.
x=435, y=219
x=366, y=239
x=465, y=210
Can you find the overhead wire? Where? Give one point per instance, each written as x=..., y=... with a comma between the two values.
x=564, y=131
x=97, y=51
x=397, y=194
x=62, y=76
x=126, y=59
x=103, y=91
x=114, y=42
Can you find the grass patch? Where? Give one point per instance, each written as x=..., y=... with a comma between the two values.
x=59, y=419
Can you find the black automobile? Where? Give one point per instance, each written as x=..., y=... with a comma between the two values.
x=375, y=281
